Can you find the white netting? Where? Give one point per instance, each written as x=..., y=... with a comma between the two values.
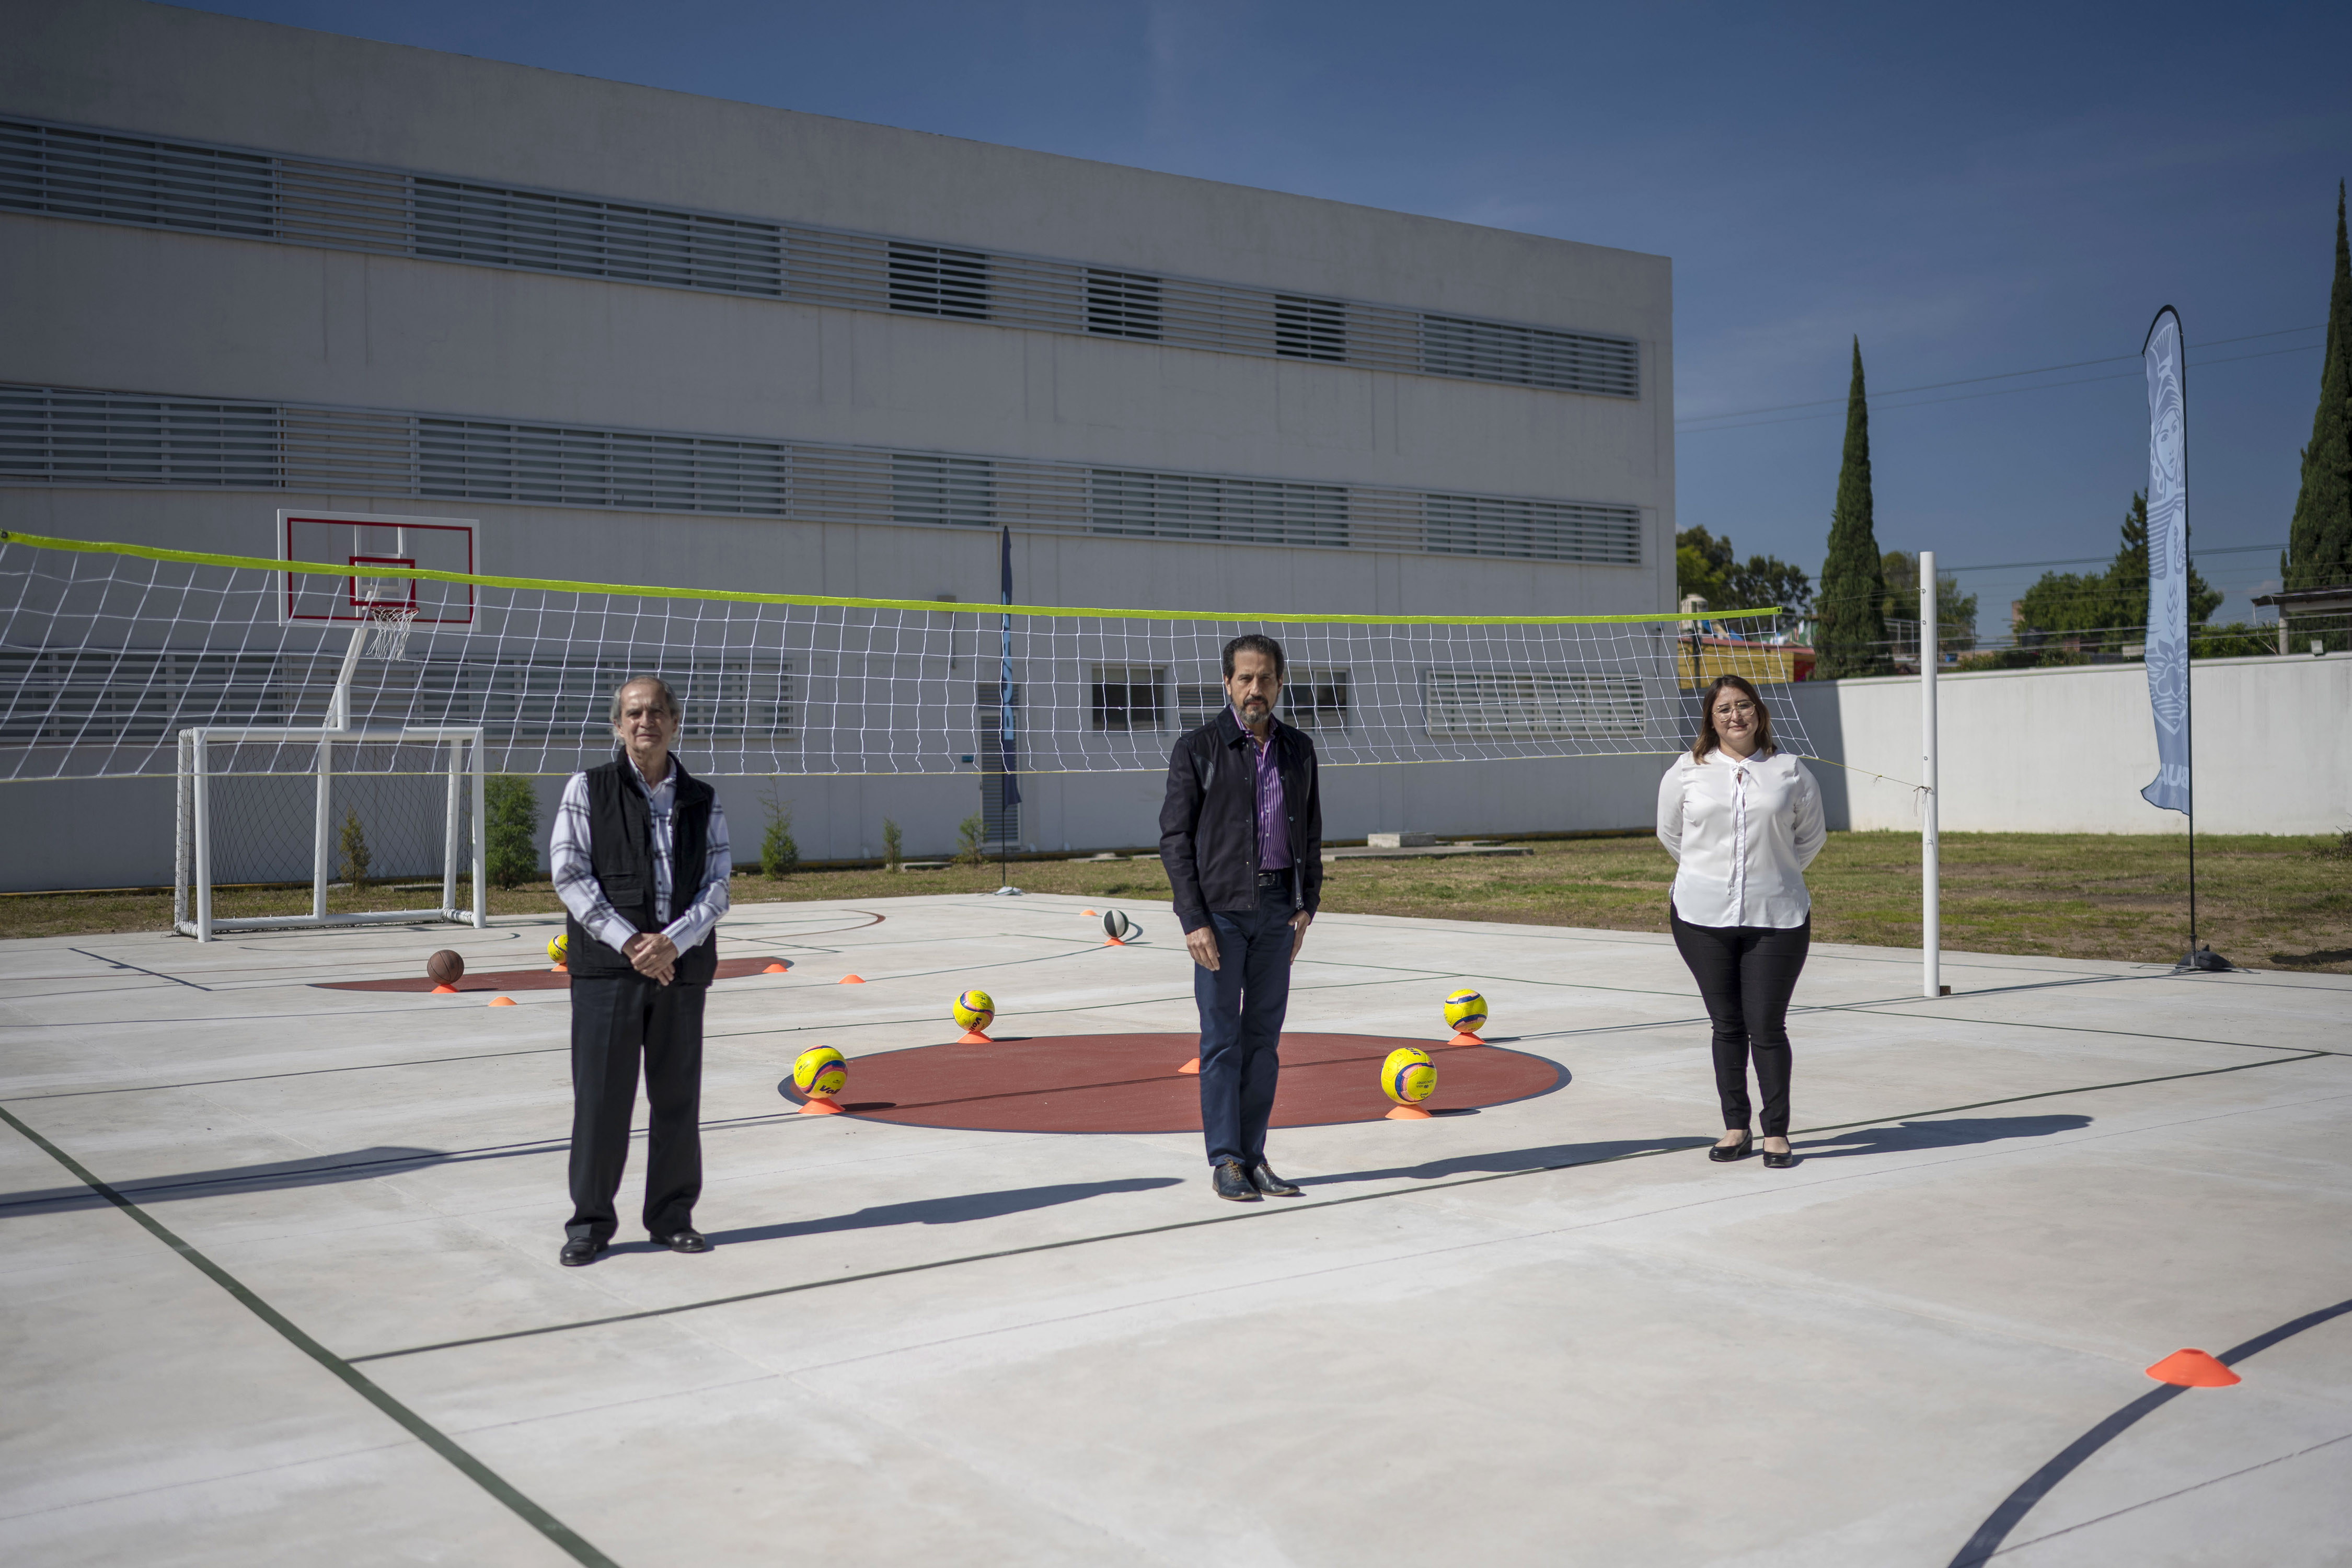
x=105, y=657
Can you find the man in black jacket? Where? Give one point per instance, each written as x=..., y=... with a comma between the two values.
x=640, y=860
x=1241, y=833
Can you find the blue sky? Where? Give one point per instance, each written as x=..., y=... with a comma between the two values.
x=1973, y=191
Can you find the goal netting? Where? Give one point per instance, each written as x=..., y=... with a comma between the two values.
x=109, y=655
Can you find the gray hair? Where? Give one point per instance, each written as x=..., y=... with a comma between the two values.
x=669, y=698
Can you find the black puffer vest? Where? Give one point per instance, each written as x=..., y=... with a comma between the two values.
x=621, y=849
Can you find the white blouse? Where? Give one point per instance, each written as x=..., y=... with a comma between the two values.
x=1741, y=834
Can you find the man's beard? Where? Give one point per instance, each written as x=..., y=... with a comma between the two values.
x=1254, y=708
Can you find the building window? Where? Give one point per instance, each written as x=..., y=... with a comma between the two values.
x=1315, y=698
x=1309, y=328
x=956, y=490
x=1127, y=697
x=929, y=280
x=1197, y=703
x=1532, y=530
x=129, y=179
x=1122, y=305
x=1530, y=356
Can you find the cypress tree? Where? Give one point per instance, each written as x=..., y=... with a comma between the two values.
x=1852, y=635
x=2319, y=540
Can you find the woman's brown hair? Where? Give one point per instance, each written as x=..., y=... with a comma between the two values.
x=1708, y=740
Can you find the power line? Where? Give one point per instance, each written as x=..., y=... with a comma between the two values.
x=2006, y=376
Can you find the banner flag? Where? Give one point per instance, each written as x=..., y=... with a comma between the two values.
x=2167, y=563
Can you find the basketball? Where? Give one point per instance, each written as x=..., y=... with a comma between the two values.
x=1407, y=1076
x=974, y=1009
x=444, y=968
x=819, y=1072
x=1118, y=927
x=1466, y=1011
x=559, y=947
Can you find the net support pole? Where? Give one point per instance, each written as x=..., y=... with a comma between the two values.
x=200, y=799
x=322, y=837
x=449, y=832
x=1931, y=915
x=481, y=840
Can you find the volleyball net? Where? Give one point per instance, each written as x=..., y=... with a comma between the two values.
x=111, y=656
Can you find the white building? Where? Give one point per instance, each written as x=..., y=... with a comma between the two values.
x=246, y=267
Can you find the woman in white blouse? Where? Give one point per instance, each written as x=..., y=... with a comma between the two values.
x=1743, y=820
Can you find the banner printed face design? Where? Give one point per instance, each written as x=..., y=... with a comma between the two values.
x=2167, y=564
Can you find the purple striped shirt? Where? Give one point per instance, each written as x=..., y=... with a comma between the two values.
x=1273, y=824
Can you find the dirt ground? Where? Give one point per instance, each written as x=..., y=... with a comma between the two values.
x=2264, y=902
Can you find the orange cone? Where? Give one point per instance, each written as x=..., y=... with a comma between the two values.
x=852, y=980
x=773, y=969
x=819, y=1105
x=445, y=991
x=1193, y=1066
x=1464, y=1037
x=2193, y=1369
x=1113, y=942
x=1091, y=913
x=974, y=1038
x=502, y=1001
x=1406, y=1113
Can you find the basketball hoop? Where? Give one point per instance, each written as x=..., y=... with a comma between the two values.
x=388, y=629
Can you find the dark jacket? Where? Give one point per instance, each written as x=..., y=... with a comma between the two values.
x=1208, y=824
x=621, y=849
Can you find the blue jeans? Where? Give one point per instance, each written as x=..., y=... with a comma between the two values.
x=1242, y=1003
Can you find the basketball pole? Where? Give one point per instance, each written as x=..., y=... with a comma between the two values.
x=1931, y=919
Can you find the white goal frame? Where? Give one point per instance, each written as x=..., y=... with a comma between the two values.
x=191, y=890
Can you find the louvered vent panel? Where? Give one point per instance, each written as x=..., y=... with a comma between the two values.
x=1122, y=305
x=1311, y=329
x=68, y=173
x=49, y=436
x=929, y=281
x=1471, y=704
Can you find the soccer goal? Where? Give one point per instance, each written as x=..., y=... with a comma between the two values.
x=375, y=813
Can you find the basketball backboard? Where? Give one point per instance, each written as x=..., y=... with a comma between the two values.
x=369, y=544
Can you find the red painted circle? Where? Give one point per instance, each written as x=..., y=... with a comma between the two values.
x=1131, y=1083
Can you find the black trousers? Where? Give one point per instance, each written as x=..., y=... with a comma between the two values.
x=617, y=1019
x=1747, y=974
x=1242, y=1007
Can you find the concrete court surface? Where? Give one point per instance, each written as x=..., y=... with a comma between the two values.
x=1547, y=1333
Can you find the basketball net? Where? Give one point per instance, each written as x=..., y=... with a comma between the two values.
x=388, y=629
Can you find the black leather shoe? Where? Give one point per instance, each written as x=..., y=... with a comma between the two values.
x=686, y=1240
x=1262, y=1178
x=1232, y=1182
x=1780, y=1161
x=1725, y=1152
x=579, y=1251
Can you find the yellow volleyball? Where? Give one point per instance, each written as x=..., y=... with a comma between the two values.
x=1465, y=1011
x=819, y=1072
x=557, y=949
x=974, y=1009
x=1407, y=1077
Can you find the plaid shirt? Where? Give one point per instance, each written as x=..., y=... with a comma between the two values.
x=575, y=874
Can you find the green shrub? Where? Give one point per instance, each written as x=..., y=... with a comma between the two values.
x=777, y=853
x=968, y=836
x=511, y=823
x=893, y=847
x=354, y=846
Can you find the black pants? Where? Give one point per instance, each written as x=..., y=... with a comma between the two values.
x=1746, y=975
x=1242, y=1003
x=616, y=1020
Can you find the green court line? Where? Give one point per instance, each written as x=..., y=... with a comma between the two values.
x=432, y=1436
x=823, y=601
x=1258, y=1214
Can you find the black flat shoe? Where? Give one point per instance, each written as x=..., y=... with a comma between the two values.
x=1232, y=1182
x=1780, y=1161
x=686, y=1240
x=1262, y=1178
x=579, y=1252
x=1724, y=1154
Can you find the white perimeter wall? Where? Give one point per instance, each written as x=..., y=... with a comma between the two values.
x=2068, y=750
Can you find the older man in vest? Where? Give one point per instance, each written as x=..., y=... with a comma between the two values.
x=640, y=859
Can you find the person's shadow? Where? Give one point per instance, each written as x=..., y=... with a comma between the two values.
x=1905, y=1137
x=1505, y=1162
x=956, y=1209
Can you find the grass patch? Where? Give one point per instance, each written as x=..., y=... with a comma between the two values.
x=2265, y=902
